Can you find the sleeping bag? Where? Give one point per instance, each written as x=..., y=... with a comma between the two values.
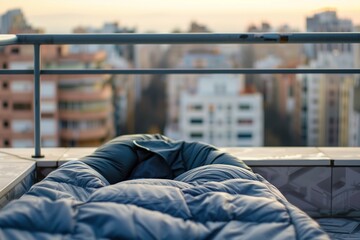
x=150, y=187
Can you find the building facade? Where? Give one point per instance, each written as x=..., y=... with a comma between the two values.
x=76, y=110
x=221, y=113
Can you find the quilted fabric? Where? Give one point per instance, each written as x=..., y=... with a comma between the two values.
x=206, y=195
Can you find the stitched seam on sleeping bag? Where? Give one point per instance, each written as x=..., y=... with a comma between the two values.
x=291, y=222
x=73, y=184
x=39, y=231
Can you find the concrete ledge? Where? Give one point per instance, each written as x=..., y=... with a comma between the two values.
x=256, y=156
x=13, y=169
x=343, y=156
x=280, y=156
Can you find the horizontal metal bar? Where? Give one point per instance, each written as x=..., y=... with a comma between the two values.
x=8, y=39
x=185, y=71
x=16, y=72
x=203, y=71
x=189, y=38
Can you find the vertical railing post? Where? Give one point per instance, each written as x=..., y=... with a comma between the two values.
x=37, y=113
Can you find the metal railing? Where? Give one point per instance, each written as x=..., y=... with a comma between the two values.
x=197, y=38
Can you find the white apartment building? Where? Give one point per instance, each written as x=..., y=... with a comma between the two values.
x=178, y=84
x=219, y=114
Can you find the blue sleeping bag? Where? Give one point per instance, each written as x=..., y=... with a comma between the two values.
x=150, y=187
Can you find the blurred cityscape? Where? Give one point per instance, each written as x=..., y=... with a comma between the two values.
x=224, y=110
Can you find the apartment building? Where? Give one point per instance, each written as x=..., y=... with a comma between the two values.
x=327, y=20
x=126, y=88
x=325, y=105
x=203, y=57
x=324, y=101
x=354, y=101
x=76, y=110
x=220, y=112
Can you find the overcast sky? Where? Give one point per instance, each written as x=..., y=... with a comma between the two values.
x=165, y=15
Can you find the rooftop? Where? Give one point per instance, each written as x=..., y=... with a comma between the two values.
x=322, y=181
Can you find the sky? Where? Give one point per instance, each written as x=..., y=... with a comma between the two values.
x=166, y=15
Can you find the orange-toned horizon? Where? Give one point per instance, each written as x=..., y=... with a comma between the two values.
x=164, y=16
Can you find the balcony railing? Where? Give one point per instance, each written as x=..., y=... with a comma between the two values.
x=217, y=38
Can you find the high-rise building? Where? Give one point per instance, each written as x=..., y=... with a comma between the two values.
x=126, y=88
x=76, y=110
x=177, y=84
x=327, y=21
x=322, y=101
x=325, y=106
x=221, y=113
x=354, y=101
x=13, y=21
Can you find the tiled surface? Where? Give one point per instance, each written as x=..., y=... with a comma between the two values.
x=308, y=188
x=340, y=228
x=346, y=191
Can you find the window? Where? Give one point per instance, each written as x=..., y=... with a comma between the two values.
x=5, y=104
x=89, y=106
x=5, y=85
x=196, y=121
x=196, y=135
x=244, y=107
x=48, y=127
x=6, y=124
x=15, y=50
x=48, y=90
x=82, y=125
x=244, y=135
x=47, y=115
x=196, y=107
x=49, y=143
x=23, y=143
x=21, y=87
x=22, y=106
x=245, y=121
x=6, y=143
x=48, y=107
x=22, y=126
